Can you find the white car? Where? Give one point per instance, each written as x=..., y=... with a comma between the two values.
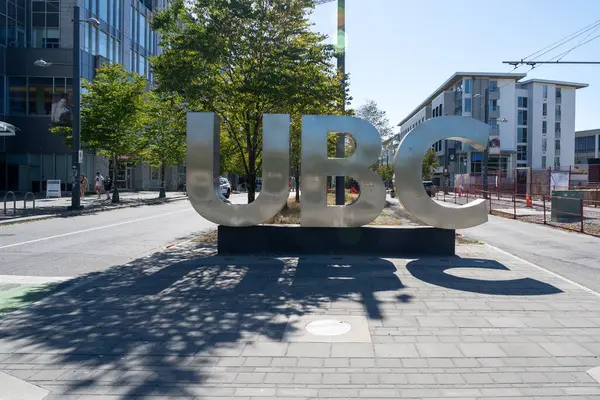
x=225, y=187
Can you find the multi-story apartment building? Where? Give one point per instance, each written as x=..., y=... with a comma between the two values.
x=587, y=147
x=533, y=120
x=33, y=30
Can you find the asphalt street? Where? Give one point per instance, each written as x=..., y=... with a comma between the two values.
x=66, y=247
x=78, y=245
x=572, y=255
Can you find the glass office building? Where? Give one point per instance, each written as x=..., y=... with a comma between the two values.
x=31, y=30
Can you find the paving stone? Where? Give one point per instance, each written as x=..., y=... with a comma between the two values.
x=308, y=378
x=565, y=349
x=336, y=378
x=523, y=350
x=395, y=350
x=265, y=349
x=352, y=350
x=278, y=378
x=481, y=350
x=309, y=350
x=438, y=350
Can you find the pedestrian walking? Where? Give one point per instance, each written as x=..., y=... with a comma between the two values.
x=83, y=185
x=108, y=183
x=99, y=184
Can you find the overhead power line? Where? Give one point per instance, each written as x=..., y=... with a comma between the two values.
x=563, y=41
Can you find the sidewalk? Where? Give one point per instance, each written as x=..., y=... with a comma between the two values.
x=45, y=208
x=185, y=324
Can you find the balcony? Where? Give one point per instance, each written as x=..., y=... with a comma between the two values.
x=495, y=129
x=559, y=99
x=557, y=116
x=494, y=93
x=494, y=111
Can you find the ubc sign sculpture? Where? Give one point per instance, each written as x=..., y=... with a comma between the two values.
x=203, y=133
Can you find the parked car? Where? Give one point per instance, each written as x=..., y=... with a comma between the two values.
x=225, y=187
x=429, y=188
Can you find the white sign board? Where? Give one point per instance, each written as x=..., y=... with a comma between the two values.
x=53, y=188
x=560, y=180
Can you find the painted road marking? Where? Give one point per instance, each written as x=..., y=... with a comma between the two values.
x=37, y=280
x=95, y=229
x=580, y=286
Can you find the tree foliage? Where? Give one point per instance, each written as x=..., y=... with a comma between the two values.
x=385, y=172
x=163, y=138
x=371, y=112
x=430, y=163
x=111, y=107
x=242, y=59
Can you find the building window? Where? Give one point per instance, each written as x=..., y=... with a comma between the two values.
x=467, y=86
x=467, y=104
x=558, y=95
x=544, y=109
x=557, y=113
x=522, y=135
x=544, y=127
x=557, y=145
x=40, y=96
x=2, y=94
x=557, y=162
x=522, y=101
x=543, y=161
x=103, y=44
x=493, y=86
x=17, y=96
x=522, y=117
x=44, y=24
x=545, y=92
x=557, y=130
x=544, y=145
x=521, y=153
x=440, y=113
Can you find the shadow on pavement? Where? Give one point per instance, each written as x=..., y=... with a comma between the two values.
x=434, y=271
x=157, y=325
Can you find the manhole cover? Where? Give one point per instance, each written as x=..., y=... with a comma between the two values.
x=328, y=327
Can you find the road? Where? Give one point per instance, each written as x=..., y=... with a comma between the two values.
x=78, y=245
x=572, y=255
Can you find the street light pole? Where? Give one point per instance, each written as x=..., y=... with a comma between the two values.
x=76, y=131
x=486, y=152
x=340, y=147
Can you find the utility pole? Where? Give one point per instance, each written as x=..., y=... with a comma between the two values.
x=486, y=152
x=340, y=147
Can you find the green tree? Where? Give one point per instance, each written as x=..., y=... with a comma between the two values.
x=371, y=112
x=111, y=111
x=163, y=138
x=386, y=172
x=242, y=59
x=430, y=163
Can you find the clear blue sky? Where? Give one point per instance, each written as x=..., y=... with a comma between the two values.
x=399, y=51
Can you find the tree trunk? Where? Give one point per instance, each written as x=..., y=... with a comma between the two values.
x=115, y=194
x=251, y=172
x=163, y=192
x=297, y=177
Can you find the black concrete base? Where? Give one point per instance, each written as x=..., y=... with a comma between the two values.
x=380, y=241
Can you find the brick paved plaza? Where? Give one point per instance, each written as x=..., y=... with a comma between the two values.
x=186, y=324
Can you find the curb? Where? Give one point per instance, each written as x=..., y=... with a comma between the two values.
x=35, y=218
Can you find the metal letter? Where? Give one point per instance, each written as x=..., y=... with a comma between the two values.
x=409, y=166
x=316, y=167
x=203, y=135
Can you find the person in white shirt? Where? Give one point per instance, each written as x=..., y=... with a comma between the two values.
x=99, y=184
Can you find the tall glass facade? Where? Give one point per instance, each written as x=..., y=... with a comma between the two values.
x=29, y=99
x=13, y=17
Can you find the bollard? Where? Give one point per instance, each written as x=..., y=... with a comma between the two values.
x=490, y=205
x=544, y=205
x=581, y=213
x=514, y=206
